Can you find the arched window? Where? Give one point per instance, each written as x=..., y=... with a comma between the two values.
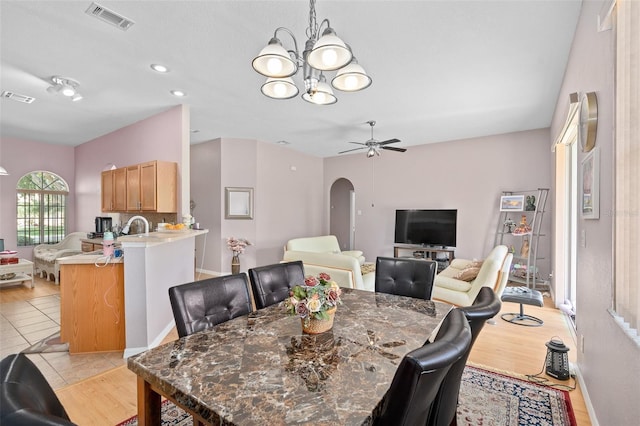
x=41, y=208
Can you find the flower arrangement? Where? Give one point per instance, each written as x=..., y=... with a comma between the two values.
x=313, y=299
x=237, y=245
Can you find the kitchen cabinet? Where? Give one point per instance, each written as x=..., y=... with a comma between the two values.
x=148, y=187
x=152, y=186
x=114, y=190
x=92, y=306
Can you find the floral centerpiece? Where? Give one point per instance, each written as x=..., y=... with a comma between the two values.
x=237, y=246
x=315, y=303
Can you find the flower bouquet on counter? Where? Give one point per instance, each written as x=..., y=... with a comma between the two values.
x=317, y=299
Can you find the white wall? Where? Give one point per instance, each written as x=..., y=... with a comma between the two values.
x=610, y=363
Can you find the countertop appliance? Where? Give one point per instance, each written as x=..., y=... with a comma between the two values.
x=103, y=224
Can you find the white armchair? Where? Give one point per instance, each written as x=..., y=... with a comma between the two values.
x=322, y=244
x=45, y=255
x=344, y=270
x=493, y=272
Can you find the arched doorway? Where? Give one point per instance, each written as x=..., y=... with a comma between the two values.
x=342, y=221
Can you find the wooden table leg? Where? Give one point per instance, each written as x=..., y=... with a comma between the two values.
x=149, y=412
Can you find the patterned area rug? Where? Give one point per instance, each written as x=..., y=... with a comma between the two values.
x=486, y=398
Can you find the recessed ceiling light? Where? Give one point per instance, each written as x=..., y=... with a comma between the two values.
x=283, y=143
x=195, y=131
x=178, y=93
x=159, y=68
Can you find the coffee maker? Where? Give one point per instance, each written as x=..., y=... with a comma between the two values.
x=103, y=224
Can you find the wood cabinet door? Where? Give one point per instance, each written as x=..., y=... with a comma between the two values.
x=148, y=186
x=107, y=191
x=120, y=189
x=133, y=188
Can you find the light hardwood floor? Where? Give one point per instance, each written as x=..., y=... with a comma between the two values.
x=110, y=397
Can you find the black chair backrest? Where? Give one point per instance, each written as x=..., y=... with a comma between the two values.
x=485, y=306
x=203, y=304
x=271, y=283
x=418, y=377
x=25, y=395
x=405, y=277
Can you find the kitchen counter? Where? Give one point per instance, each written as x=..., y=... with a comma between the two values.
x=87, y=258
x=142, y=240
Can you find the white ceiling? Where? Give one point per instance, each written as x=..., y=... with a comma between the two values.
x=442, y=70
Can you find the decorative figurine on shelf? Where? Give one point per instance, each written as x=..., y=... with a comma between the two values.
x=531, y=203
x=509, y=224
x=524, y=250
x=523, y=228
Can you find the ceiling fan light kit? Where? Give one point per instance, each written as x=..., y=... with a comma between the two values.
x=322, y=53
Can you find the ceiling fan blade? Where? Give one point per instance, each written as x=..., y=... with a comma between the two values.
x=389, y=141
x=349, y=150
x=359, y=143
x=393, y=148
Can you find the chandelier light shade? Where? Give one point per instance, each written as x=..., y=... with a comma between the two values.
x=274, y=61
x=351, y=78
x=322, y=95
x=321, y=53
x=3, y=171
x=329, y=53
x=280, y=88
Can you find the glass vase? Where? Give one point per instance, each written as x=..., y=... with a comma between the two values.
x=235, y=264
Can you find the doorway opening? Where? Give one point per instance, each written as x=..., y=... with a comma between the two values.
x=342, y=221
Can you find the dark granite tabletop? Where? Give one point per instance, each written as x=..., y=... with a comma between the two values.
x=260, y=369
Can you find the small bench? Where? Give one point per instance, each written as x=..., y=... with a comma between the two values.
x=523, y=296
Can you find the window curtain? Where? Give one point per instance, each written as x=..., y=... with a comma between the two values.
x=627, y=166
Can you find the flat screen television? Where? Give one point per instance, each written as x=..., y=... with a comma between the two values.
x=426, y=227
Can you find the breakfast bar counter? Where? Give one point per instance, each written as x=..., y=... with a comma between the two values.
x=153, y=263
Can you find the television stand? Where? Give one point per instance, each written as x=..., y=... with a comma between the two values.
x=429, y=251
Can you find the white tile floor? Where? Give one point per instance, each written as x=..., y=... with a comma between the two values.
x=25, y=323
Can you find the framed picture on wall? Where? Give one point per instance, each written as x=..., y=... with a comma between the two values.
x=238, y=203
x=512, y=203
x=590, y=186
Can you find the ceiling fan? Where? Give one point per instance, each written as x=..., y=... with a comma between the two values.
x=373, y=146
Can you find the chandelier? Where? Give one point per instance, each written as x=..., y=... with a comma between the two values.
x=325, y=53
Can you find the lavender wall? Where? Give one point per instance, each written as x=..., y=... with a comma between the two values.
x=20, y=157
x=287, y=198
x=468, y=175
x=610, y=362
x=156, y=138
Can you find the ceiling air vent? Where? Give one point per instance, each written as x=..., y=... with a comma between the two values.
x=109, y=16
x=17, y=97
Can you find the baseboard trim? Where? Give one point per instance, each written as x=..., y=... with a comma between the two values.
x=585, y=395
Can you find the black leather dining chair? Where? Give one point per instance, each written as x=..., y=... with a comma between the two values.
x=271, y=284
x=26, y=398
x=485, y=306
x=416, y=382
x=405, y=277
x=203, y=304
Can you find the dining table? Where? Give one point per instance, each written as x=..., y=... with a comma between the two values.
x=261, y=369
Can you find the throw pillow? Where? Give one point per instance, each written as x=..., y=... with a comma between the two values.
x=476, y=263
x=468, y=274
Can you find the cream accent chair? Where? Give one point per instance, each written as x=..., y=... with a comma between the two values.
x=322, y=244
x=344, y=270
x=45, y=255
x=493, y=273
